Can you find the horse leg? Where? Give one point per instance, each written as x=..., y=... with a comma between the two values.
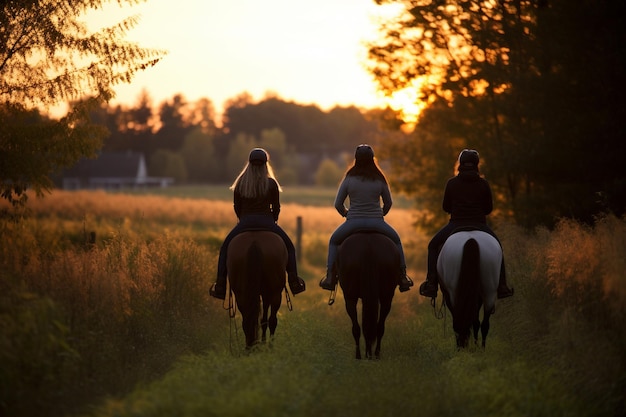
x=250, y=325
x=368, y=347
x=356, y=329
x=462, y=335
x=476, y=323
x=476, y=326
x=369, y=320
x=484, y=330
x=385, y=308
x=264, y=322
x=273, y=318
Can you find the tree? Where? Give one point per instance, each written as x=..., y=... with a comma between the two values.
x=238, y=154
x=328, y=174
x=527, y=83
x=165, y=163
x=47, y=57
x=198, y=153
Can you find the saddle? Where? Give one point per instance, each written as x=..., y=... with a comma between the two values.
x=468, y=228
x=365, y=230
x=256, y=229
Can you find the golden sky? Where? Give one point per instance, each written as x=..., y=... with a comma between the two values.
x=309, y=52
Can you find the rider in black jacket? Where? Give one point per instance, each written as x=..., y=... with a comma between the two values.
x=467, y=197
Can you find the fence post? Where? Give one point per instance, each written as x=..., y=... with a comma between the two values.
x=299, y=238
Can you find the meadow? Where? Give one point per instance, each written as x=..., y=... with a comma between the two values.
x=122, y=325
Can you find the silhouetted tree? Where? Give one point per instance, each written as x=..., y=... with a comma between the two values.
x=198, y=153
x=164, y=163
x=532, y=85
x=48, y=57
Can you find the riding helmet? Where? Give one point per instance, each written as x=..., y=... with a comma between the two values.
x=363, y=153
x=258, y=156
x=469, y=158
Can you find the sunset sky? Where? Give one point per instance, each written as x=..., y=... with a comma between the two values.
x=310, y=52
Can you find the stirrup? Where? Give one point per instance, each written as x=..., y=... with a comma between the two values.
x=215, y=294
x=405, y=283
x=327, y=283
x=428, y=290
x=297, y=286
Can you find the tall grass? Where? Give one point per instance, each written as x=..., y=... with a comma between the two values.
x=81, y=321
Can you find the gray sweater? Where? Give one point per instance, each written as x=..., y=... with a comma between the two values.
x=365, y=196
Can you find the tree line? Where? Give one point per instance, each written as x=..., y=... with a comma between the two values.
x=534, y=85
x=183, y=139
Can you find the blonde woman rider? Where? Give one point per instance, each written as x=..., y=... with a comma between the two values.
x=257, y=205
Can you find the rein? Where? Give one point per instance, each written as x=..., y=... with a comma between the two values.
x=232, y=311
x=441, y=314
x=442, y=311
x=331, y=297
x=232, y=308
x=288, y=299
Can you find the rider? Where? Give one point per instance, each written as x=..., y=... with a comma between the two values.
x=364, y=184
x=257, y=205
x=467, y=197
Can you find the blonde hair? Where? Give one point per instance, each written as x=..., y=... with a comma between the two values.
x=252, y=180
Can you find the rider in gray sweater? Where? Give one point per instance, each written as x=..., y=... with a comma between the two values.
x=365, y=185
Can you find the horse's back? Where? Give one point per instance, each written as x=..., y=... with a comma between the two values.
x=269, y=243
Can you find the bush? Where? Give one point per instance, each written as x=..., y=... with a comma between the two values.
x=328, y=174
x=80, y=322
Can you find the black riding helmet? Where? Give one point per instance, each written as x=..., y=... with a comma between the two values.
x=364, y=152
x=469, y=158
x=258, y=156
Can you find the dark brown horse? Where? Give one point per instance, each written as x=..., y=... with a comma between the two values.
x=256, y=270
x=369, y=269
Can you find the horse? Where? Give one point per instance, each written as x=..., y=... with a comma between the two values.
x=256, y=263
x=469, y=270
x=368, y=264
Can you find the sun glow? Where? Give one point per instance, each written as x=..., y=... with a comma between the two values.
x=409, y=102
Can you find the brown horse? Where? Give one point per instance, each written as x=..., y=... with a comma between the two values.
x=256, y=263
x=369, y=269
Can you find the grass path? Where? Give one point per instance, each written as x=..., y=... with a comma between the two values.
x=310, y=370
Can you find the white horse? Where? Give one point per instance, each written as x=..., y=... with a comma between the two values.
x=469, y=270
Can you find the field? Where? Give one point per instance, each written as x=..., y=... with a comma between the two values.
x=104, y=311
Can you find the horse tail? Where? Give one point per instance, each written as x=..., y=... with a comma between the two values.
x=254, y=278
x=468, y=289
x=254, y=268
x=370, y=281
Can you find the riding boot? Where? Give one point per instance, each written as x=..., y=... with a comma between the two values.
x=329, y=282
x=503, y=289
x=218, y=289
x=428, y=288
x=406, y=282
x=296, y=284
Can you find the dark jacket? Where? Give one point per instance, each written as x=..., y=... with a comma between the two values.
x=468, y=198
x=269, y=204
